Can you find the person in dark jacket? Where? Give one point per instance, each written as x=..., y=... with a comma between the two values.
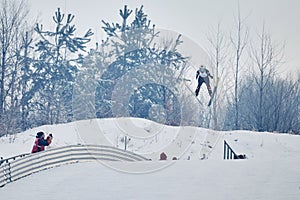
x=40, y=142
x=202, y=76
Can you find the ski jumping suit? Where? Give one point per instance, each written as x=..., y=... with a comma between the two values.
x=202, y=76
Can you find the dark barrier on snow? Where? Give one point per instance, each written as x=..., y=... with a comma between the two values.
x=12, y=158
x=230, y=154
x=12, y=170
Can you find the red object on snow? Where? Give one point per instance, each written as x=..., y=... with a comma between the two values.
x=163, y=156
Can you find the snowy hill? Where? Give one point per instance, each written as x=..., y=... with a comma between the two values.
x=270, y=172
x=150, y=139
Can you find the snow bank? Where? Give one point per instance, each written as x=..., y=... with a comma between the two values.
x=270, y=172
x=217, y=179
x=150, y=139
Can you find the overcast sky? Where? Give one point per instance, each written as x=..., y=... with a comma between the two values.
x=192, y=18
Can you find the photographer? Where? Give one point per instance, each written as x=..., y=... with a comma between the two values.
x=40, y=142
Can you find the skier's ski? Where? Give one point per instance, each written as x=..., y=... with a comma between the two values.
x=193, y=93
x=213, y=93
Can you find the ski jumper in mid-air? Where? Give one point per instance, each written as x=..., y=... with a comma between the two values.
x=202, y=76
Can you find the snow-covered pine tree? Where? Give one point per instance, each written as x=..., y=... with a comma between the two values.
x=57, y=67
x=135, y=47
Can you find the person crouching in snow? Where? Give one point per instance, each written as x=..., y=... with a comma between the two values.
x=40, y=142
x=202, y=77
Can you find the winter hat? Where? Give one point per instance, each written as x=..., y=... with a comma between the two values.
x=202, y=68
x=39, y=134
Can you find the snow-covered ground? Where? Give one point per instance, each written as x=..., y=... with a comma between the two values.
x=251, y=179
x=271, y=171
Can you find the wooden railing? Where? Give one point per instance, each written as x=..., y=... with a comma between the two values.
x=14, y=169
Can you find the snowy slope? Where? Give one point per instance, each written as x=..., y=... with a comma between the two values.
x=270, y=172
x=189, y=180
x=150, y=139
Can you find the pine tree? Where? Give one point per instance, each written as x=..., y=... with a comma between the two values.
x=134, y=48
x=57, y=66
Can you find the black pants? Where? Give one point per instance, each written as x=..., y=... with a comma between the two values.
x=202, y=80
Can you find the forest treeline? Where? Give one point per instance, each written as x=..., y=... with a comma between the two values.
x=49, y=76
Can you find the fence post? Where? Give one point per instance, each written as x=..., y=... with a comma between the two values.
x=125, y=138
x=7, y=172
x=224, y=154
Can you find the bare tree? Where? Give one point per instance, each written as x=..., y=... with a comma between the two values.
x=239, y=43
x=269, y=102
x=219, y=54
x=266, y=56
x=284, y=109
x=12, y=15
x=26, y=88
x=280, y=107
